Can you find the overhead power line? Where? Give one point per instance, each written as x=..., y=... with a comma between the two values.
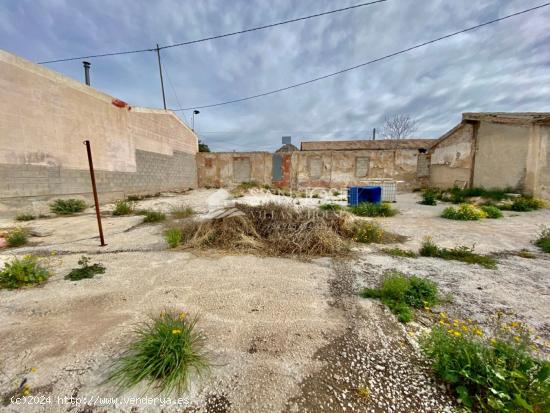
x=205, y=39
x=418, y=46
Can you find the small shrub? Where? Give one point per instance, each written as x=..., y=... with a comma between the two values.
x=465, y=212
x=460, y=253
x=367, y=232
x=524, y=204
x=25, y=217
x=152, y=216
x=401, y=294
x=336, y=193
x=22, y=272
x=429, y=197
x=173, y=237
x=67, y=206
x=398, y=252
x=489, y=374
x=167, y=349
x=330, y=207
x=85, y=270
x=369, y=209
x=491, y=211
x=182, y=212
x=543, y=240
x=17, y=237
x=123, y=207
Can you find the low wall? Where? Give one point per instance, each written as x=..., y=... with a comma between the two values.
x=339, y=169
x=45, y=117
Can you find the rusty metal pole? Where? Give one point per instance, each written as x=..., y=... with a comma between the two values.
x=94, y=189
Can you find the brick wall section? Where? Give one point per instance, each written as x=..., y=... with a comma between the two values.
x=22, y=185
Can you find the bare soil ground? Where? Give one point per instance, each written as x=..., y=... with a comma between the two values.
x=283, y=334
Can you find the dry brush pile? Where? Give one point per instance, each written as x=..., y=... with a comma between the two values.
x=276, y=230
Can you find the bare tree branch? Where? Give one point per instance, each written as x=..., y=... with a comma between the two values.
x=399, y=127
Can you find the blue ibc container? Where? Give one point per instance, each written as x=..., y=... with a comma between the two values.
x=358, y=194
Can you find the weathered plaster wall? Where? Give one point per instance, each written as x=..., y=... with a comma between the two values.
x=45, y=116
x=340, y=168
x=537, y=179
x=218, y=169
x=451, y=158
x=501, y=155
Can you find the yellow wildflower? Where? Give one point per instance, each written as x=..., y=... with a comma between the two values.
x=427, y=308
x=176, y=331
x=182, y=316
x=465, y=328
x=478, y=332
x=455, y=322
x=457, y=333
x=26, y=390
x=443, y=315
x=517, y=339
x=493, y=341
x=33, y=370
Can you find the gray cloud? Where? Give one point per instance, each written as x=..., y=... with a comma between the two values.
x=503, y=67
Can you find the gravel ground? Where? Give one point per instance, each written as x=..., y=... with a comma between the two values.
x=283, y=335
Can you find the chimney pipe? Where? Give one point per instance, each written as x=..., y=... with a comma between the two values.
x=373, y=134
x=87, y=72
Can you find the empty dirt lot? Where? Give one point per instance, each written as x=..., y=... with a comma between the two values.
x=282, y=334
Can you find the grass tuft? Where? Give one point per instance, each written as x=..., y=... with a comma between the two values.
x=525, y=204
x=25, y=217
x=168, y=349
x=151, y=215
x=543, y=240
x=173, y=237
x=17, y=237
x=401, y=294
x=124, y=207
x=460, y=253
x=369, y=209
x=22, y=272
x=67, y=206
x=429, y=196
x=85, y=270
x=181, y=212
x=491, y=211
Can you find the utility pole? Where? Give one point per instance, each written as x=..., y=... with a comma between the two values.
x=161, y=80
x=373, y=134
x=87, y=72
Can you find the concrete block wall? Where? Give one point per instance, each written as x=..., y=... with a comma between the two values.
x=45, y=117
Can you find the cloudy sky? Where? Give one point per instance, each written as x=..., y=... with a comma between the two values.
x=502, y=67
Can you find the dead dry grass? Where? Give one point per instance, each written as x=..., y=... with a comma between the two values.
x=274, y=229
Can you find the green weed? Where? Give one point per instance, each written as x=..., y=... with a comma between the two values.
x=543, y=240
x=401, y=294
x=173, y=237
x=465, y=212
x=168, y=348
x=17, y=237
x=22, y=272
x=25, y=217
x=369, y=209
x=85, y=270
x=330, y=207
x=123, y=207
x=524, y=204
x=429, y=197
x=67, y=206
x=152, y=216
x=491, y=211
x=489, y=374
x=460, y=253
x=182, y=212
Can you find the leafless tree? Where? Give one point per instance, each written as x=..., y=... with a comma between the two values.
x=398, y=127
